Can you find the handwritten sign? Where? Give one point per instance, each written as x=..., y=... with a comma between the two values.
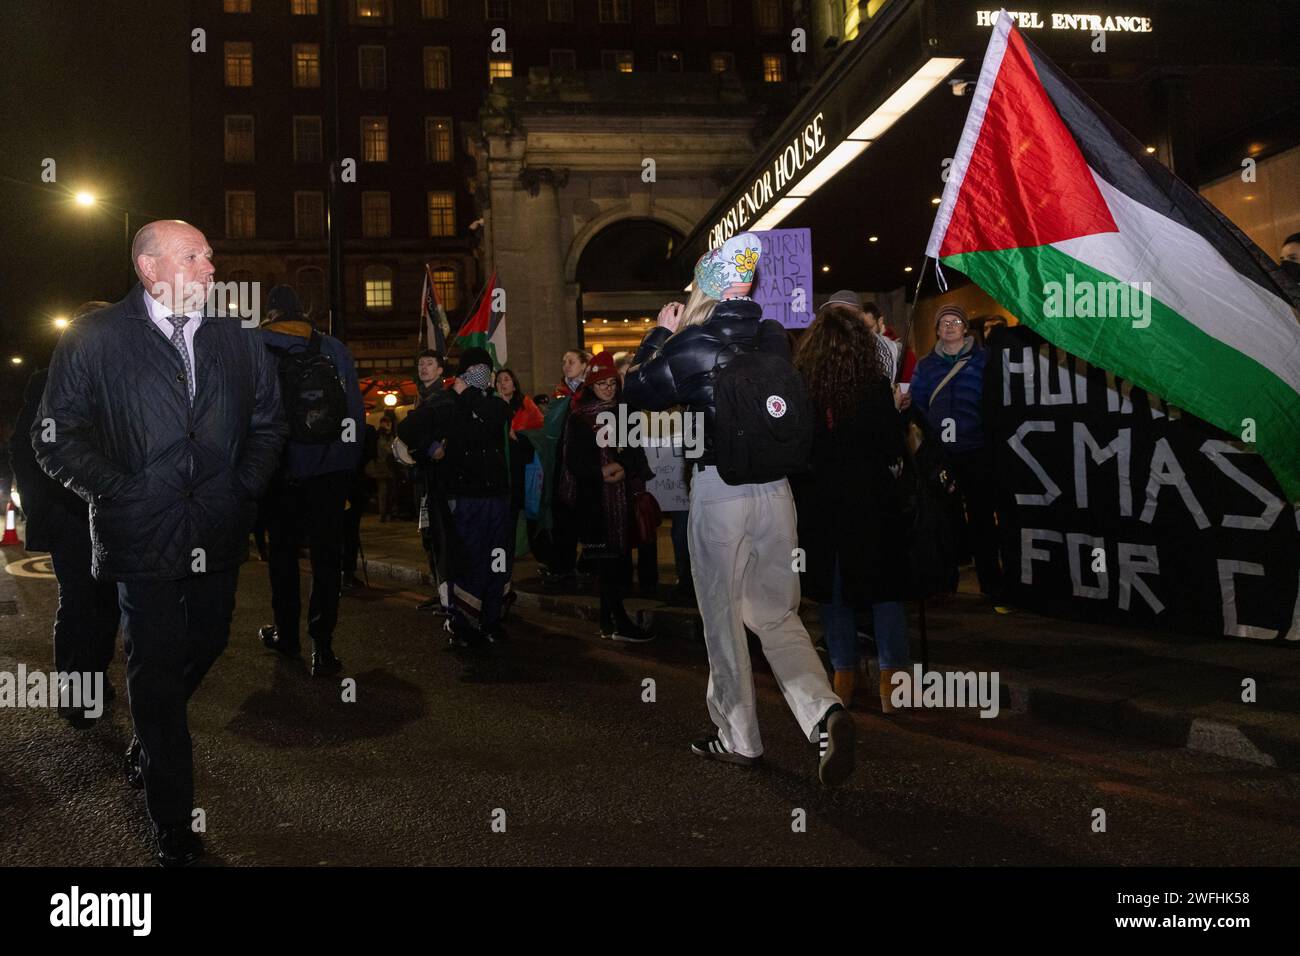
x=669, y=464
x=784, y=281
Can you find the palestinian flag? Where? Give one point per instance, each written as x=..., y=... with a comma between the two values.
x=1060, y=215
x=485, y=329
x=433, y=316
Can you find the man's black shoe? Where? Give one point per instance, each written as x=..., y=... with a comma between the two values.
x=270, y=636
x=496, y=634
x=177, y=845
x=76, y=717
x=325, y=664
x=463, y=637
x=131, y=765
x=351, y=582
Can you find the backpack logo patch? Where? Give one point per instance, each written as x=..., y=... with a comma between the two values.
x=776, y=406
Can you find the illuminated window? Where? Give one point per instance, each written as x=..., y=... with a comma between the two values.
x=239, y=64
x=442, y=214
x=237, y=6
x=501, y=67
x=309, y=215
x=307, y=139
x=239, y=139
x=306, y=65
x=667, y=12
x=773, y=68
x=564, y=61
x=241, y=215
x=378, y=282
x=718, y=13
x=852, y=19
x=374, y=139
x=376, y=221
x=616, y=60
x=559, y=11
x=437, y=67
x=310, y=283
x=447, y=288
x=372, y=9
x=722, y=62
x=304, y=8
x=767, y=15
x=615, y=11
x=434, y=9
x=437, y=139
x=372, y=64
x=670, y=61
x=497, y=9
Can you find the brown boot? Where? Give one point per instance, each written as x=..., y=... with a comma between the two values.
x=887, y=689
x=845, y=683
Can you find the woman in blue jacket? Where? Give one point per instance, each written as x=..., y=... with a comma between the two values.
x=948, y=388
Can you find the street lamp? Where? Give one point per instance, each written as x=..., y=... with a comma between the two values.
x=60, y=322
x=85, y=199
x=15, y=360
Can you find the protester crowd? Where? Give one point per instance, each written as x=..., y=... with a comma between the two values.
x=144, y=488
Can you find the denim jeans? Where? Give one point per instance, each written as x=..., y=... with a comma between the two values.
x=889, y=622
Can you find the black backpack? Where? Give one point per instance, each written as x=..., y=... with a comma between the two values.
x=314, y=401
x=763, y=425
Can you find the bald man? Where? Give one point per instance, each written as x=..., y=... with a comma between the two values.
x=167, y=420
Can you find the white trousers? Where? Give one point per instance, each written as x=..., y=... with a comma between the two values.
x=742, y=539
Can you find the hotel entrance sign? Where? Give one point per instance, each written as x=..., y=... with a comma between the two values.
x=1086, y=22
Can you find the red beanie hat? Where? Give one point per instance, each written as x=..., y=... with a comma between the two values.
x=601, y=368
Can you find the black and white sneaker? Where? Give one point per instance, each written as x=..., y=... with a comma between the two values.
x=835, y=736
x=714, y=749
x=628, y=633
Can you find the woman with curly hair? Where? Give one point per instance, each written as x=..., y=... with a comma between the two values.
x=850, y=504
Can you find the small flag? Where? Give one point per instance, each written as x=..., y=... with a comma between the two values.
x=484, y=329
x=1058, y=213
x=433, y=316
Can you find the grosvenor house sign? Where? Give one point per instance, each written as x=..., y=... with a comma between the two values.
x=787, y=165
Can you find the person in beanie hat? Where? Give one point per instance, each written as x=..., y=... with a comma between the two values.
x=948, y=388
x=599, y=481
x=740, y=535
x=469, y=442
x=308, y=497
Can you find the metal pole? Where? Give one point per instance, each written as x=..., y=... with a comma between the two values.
x=334, y=221
x=126, y=236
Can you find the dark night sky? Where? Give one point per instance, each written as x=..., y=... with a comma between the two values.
x=100, y=86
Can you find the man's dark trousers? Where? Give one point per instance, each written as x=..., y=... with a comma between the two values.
x=311, y=508
x=174, y=632
x=85, y=623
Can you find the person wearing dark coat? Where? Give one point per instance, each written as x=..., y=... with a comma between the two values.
x=58, y=521
x=168, y=423
x=432, y=414
x=741, y=536
x=599, y=482
x=850, y=505
x=308, y=497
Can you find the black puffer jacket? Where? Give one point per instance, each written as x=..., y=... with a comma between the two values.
x=52, y=511
x=675, y=370
x=162, y=477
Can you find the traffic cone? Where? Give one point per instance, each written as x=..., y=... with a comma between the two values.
x=11, y=527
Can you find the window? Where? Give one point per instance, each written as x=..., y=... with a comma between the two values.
x=559, y=11
x=437, y=139
x=719, y=13
x=239, y=64
x=722, y=62
x=447, y=288
x=437, y=67
x=304, y=8
x=442, y=214
x=616, y=11
x=376, y=221
x=241, y=215
x=501, y=67
x=372, y=65
x=309, y=215
x=767, y=15
x=237, y=6
x=773, y=68
x=670, y=61
x=307, y=139
x=372, y=10
x=374, y=139
x=310, y=283
x=667, y=12
x=616, y=60
x=564, y=61
x=306, y=64
x=434, y=9
x=497, y=9
x=378, y=282
x=239, y=139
